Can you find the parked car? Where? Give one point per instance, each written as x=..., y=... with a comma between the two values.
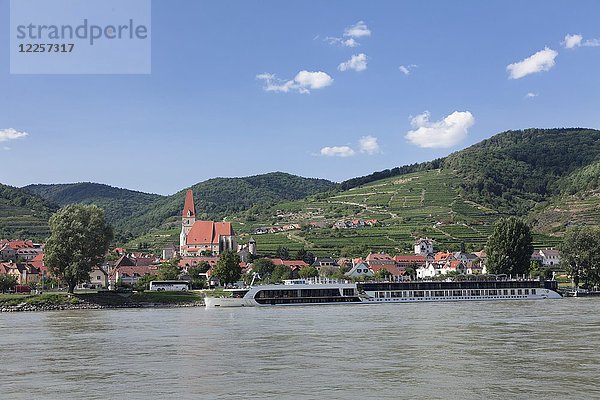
x=22, y=289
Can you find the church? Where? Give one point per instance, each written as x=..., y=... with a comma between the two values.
x=201, y=237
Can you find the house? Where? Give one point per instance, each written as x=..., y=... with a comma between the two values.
x=129, y=275
x=324, y=262
x=169, y=252
x=466, y=258
x=98, y=278
x=424, y=247
x=392, y=269
x=406, y=261
x=359, y=270
x=187, y=262
x=376, y=259
x=550, y=258
x=292, y=264
x=25, y=274
x=7, y=252
x=198, y=237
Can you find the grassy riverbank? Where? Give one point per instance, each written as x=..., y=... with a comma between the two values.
x=46, y=301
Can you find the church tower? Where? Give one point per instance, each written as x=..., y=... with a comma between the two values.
x=188, y=218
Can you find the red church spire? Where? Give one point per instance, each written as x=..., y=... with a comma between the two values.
x=188, y=207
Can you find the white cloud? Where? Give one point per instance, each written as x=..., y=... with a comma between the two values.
x=337, y=151
x=6, y=148
x=592, y=43
x=407, y=69
x=357, y=30
x=572, y=41
x=350, y=35
x=368, y=144
x=357, y=62
x=444, y=133
x=11, y=134
x=531, y=95
x=303, y=82
x=350, y=42
x=543, y=60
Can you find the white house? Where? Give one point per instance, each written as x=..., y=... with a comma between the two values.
x=550, y=258
x=359, y=269
x=424, y=247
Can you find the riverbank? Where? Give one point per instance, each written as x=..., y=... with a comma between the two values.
x=100, y=300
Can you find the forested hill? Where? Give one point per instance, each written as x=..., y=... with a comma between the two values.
x=117, y=203
x=514, y=170
x=23, y=214
x=219, y=197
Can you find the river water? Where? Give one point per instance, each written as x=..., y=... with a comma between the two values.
x=463, y=350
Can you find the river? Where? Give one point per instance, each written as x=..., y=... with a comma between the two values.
x=461, y=350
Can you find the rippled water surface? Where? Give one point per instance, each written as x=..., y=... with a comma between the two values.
x=464, y=350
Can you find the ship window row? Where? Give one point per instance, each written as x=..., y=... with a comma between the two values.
x=390, y=286
x=310, y=300
x=453, y=293
x=274, y=294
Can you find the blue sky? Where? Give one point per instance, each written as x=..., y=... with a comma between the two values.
x=203, y=112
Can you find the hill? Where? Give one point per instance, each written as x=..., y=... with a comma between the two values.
x=118, y=204
x=547, y=175
x=23, y=214
x=133, y=213
x=219, y=197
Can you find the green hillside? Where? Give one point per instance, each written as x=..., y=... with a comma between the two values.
x=23, y=215
x=118, y=204
x=219, y=197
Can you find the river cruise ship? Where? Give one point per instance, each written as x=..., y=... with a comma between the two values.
x=322, y=291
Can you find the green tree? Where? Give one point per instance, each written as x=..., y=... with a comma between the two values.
x=580, y=255
x=264, y=267
x=203, y=267
x=198, y=281
x=283, y=253
x=168, y=272
x=308, y=271
x=383, y=274
x=281, y=273
x=228, y=268
x=143, y=283
x=509, y=247
x=7, y=282
x=79, y=239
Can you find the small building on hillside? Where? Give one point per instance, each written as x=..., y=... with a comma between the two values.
x=360, y=270
x=550, y=258
x=424, y=247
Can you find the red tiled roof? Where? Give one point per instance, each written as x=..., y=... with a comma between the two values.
x=188, y=205
x=390, y=268
x=140, y=270
x=20, y=244
x=410, y=259
x=441, y=256
x=378, y=256
x=208, y=232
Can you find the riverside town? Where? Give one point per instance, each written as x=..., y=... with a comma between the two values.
x=319, y=200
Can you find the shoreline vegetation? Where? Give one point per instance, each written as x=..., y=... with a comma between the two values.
x=99, y=300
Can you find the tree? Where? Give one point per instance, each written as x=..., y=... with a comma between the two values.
x=198, y=281
x=168, y=272
x=383, y=274
x=228, y=268
x=580, y=255
x=308, y=271
x=300, y=254
x=281, y=273
x=283, y=253
x=79, y=239
x=7, y=282
x=143, y=283
x=264, y=267
x=509, y=247
x=203, y=267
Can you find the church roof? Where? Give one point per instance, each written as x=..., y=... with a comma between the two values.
x=189, y=204
x=208, y=232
